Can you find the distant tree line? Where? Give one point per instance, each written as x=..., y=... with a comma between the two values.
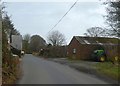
x=54, y=47
x=33, y=43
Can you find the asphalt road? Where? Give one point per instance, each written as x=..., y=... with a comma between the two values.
x=41, y=71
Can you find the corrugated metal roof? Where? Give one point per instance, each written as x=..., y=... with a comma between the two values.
x=17, y=41
x=97, y=40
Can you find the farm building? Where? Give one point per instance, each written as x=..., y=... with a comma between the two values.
x=83, y=47
x=16, y=44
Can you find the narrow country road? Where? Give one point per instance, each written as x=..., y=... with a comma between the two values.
x=40, y=71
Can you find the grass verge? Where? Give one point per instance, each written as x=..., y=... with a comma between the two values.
x=108, y=69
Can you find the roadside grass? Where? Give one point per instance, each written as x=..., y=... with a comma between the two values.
x=0, y=53
x=108, y=69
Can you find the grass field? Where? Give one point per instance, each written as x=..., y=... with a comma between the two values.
x=109, y=69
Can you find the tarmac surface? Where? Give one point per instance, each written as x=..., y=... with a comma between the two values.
x=41, y=71
x=87, y=67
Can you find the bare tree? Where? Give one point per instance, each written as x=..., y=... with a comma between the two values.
x=96, y=32
x=56, y=38
x=26, y=40
x=26, y=37
x=113, y=17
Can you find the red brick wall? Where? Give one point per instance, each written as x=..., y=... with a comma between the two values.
x=74, y=44
x=86, y=51
x=83, y=51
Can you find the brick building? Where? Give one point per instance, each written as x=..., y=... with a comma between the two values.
x=83, y=47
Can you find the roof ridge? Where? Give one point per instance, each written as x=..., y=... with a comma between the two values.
x=96, y=40
x=98, y=37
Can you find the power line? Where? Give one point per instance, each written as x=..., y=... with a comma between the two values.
x=63, y=16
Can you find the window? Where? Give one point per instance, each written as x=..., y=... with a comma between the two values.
x=74, y=50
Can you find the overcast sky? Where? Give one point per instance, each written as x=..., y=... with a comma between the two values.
x=40, y=17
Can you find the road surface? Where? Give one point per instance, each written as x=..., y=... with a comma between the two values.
x=41, y=71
